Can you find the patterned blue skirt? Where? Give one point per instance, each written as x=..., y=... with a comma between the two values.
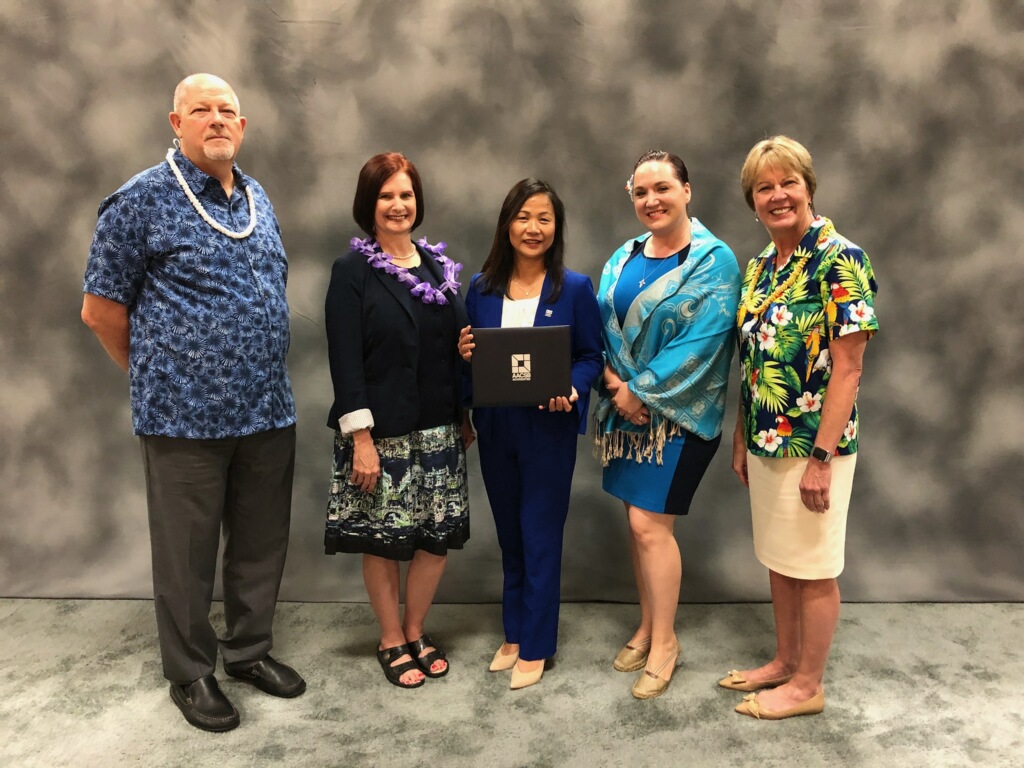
x=421, y=500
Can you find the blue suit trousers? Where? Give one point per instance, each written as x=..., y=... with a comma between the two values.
x=527, y=470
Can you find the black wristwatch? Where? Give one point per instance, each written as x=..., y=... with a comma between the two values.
x=821, y=455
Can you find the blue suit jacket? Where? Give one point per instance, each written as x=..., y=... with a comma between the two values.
x=576, y=307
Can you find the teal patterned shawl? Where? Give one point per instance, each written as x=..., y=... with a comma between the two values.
x=673, y=350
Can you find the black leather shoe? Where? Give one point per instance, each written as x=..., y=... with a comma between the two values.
x=270, y=676
x=204, y=705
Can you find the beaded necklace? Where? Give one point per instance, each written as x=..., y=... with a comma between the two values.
x=747, y=307
x=377, y=258
x=202, y=211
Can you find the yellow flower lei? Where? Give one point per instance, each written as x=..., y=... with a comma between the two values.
x=746, y=307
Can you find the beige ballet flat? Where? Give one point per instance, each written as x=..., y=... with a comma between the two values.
x=752, y=708
x=649, y=685
x=503, y=661
x=525, y=679
x=737, y=682
x=631, y=658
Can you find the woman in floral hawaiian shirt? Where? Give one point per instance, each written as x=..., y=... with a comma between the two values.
x=804, y=320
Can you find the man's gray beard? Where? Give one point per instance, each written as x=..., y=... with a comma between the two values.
x=219, y=153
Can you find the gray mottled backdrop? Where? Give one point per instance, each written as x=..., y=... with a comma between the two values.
x=913, y=111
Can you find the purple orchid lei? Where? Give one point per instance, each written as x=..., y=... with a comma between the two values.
x=425, y=292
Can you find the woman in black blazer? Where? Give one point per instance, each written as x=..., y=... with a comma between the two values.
x=398, y=491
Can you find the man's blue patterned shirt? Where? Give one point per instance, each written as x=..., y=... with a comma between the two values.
x=208, y=313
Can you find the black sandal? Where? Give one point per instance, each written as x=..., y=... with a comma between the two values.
x=425, y=663
x=387, y=656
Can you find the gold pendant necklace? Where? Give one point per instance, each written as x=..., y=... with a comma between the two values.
x=524, y=289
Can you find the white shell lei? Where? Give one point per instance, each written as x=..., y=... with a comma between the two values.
x=202, y=211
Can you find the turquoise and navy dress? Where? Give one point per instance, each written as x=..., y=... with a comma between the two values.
x=667, y=332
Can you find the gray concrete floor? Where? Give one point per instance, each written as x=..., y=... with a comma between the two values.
x=908, y=685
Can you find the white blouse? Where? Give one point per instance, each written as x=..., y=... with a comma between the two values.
x=519, y=313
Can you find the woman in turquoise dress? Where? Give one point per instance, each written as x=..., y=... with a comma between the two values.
x=668, y=300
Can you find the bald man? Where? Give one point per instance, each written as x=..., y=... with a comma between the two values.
x=185, y=289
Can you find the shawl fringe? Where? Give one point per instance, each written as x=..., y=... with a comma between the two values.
x=638, y=446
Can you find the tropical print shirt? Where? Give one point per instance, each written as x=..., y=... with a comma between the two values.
x=785, y=363
x=208, y=315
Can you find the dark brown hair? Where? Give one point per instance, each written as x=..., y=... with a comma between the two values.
x=374, y=175
x=497, y=270
x=660, y=156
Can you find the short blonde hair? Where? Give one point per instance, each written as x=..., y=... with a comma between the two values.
x=779, y=152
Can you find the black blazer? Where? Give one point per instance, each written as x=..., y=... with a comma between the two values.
x=373, y=344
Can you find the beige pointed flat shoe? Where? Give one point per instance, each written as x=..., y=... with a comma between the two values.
x=737, y=682
x=633, y=657
x=650, y=685
x=751, y=707
x=503, y=661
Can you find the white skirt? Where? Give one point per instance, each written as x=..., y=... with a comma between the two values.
x=789, y=538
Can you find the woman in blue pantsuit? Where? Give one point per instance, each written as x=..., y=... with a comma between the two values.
x=527, y=454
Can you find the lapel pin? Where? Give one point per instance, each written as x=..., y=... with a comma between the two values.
x=547, y=313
